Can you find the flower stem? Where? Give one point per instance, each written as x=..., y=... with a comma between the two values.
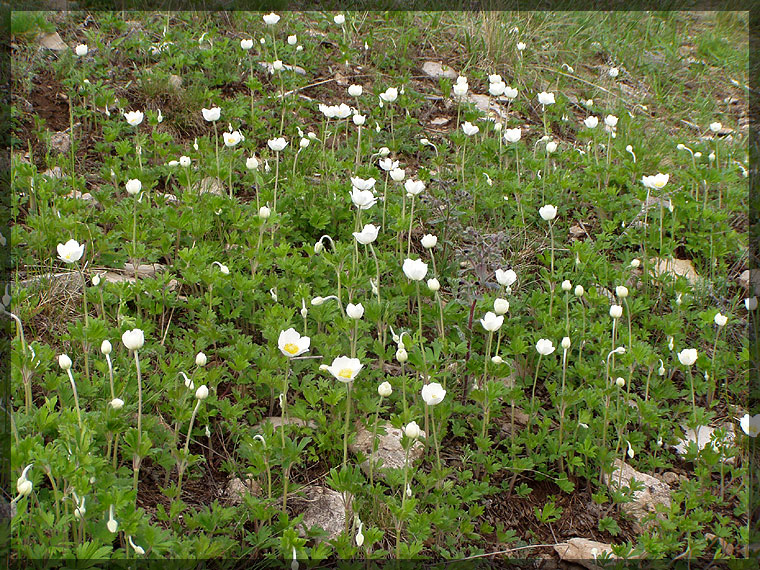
x=345, y=429
x=136, y=459
x=76, y=398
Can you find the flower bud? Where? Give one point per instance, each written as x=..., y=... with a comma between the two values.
x=201, y=359
x=565, y=342
x=496, y=359
x=385, y=389
x=412, y=430
x=202, y=392
x=117, y=403
x=433, y=284
x=616, y=311
x=566, y=285
x=500, y=306
x=401, y=355
x=579, y=291
x=620, y=381
x=105, y=347
x=264, y=212
x=64, y=362
x=621, y=291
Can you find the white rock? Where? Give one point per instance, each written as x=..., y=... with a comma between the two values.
x=389, y=453
x=579, y=551
x=645, y=501
x=435, y=70
x=325, y=509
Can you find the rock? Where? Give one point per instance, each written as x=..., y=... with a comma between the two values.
x=52, y=42
x=389, y=453
x=675, y=267
x=744, y=279
x=671, y=478
x=705, y=435
x=55, y=172
x=209, y=184
x=175, y=82
x=277, y=421
x=577, y=232
x=77, y=194
x=584, y=552
x=144, y=269
x=440, y=121
x=326, y=509
x=60, y=142
x=436, y=70
x=236, y=489
x=113, y=277
x=645, y=501
x=56, y=284
x=170, y=198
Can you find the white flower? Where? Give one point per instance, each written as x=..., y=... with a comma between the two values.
x=106, y=347
x=112, y=525
x=510, y=93
x=548, y=212
x=521, y=46
x=355, y=90
x=412, y=430
x=750, y=424
x=71, y=251
x=616, y=311
x=611, y=121
x=414, y=187
x=64, y=362
x=401, y=355
x=385, y=151
x=292, y=40
x=277, y=65
x=429, y=241
x=201, y=359
x=715, y=127
x=139, y=550
x=500, y=306
x=591, y=122
x=134, y=339
x=544, y=347
x=565, y=343
x=271, y=19
x=545, y=98
x=363, y=199
x=613, y=72
x=233, y=138
x=579, y=291
x=388, y=164
x=496, y=359
x=340, y=19
x=620, y=381
x=264, y=212
x=201, y=393
x=635, y=263
x=497, y=88
x=385, y=389
x=291, y=343
x=512, y=135
x=134, y=118
x=133, y=186
x=433, y=393
x=362, y=184
x=24, y=485
x=358, y=119
x=389, y=95
x=687, y=356
x=460, y=89
x=246, y=44
x=211, y=114
x=506, y=278
x=415, y=269
x=117, y=403
x=621, y=291
x=81, y=50
x=656, y=182
x=750, y=303
x=184, y=161
x=277, y=144
x=551, y=147
x=470, y=129
x=252, y=163
x=299, y=48
x=397, y=174
x=355, y=312
x=433, y=284
x=566, y=285
x=222, y=268
x=492, y=322
x=345, y=369
x=367, y=235
x=721, y=320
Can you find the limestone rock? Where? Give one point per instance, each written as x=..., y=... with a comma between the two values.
x=52, y=42
x=676, y=268
x=209, y=184
x=60, y=142
x=389, y=453
x=584, y=552
x=237, y=489
x=645, y=501
x=436, y=70
x=325, y=509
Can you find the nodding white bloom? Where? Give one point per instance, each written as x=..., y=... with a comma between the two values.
x=721, y=320
x=750, y=303
x=492, y=322
x=134, y=118
x=566, y=285
x=512, y=135
x=355, y=90
x=355, y=312
x=383, y=152
x=385, y=389
x=358, y=119
x=116, y=403
x=630, y=450
x=548, y=212
x=233, y=138
x=359, y=535
x=291, y=343
x=415, y=269
x=252, y=163
x=459, y=90
x=521, y=46
x=565, y=343
x=616, y=311
x=277, y=144
x=134, y=339
x=635, y=263
x=656, y=182
x=81, y=50
x=412, y=430
x=711, y=156
x=661, y=369
x=363, y=199
x=304, y=310
x=398, y=174
x=497, y=88
x=429, y=241
x=389, y=95
x=292, y=40
x=433, y=284
x=345, y=369
x=71, y=251
x=613, y=72
x=621, y=291
x=367, y=235
x=401, y=355
x=363, y=184
x=506, y=278
x=195, y=145
x=629, y=149
x=133, y=186
x=619, y=381
x=222, y=268
x=201, y=393
x=271, y=19
x=264, y=212
x=687, y=356
x=184, y=161
x=500, y=306
x=510, y=92
x=24, y=485
x=670, y=343
x=106, y=347
x=715, y=127
x=414, y=187
x=388, y=164
x=749, y=424
x=496, y=359
x=246, y=44
x=80, y=511
x=201, y=359
x=544, y=346
x=433, y=393
x=211, y=114
x=591, y=122
x=545, y=98
x=112, y=525
x=139, y=550
x=470, y=129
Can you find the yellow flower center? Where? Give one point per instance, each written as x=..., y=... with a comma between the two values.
x=291, y=348
x=346, y=373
